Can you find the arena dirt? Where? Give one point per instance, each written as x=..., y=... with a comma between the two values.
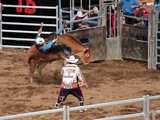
x=108, y=81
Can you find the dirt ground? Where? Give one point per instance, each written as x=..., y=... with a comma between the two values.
x=108, y=80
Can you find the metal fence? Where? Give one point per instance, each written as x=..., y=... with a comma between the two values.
x=22, y=24
x=0, y=26
x=66, y=110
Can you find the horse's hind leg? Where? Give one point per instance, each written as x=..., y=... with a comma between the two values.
x=40, y=66
x=32, y=68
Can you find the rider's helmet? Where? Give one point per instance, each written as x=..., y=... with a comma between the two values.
x=39, y=41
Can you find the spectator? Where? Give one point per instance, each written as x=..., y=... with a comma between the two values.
x=46, y=45
x=142, y=12
x=156, y=2
x=129, y=8
x=79, y=16
x=72, y=79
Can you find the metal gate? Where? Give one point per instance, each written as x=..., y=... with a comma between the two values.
x=112, y=19
x=154, y=38
x=109, y=36
x=15, y=34
x=157, y=35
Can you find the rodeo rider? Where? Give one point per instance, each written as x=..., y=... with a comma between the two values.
x=45, y=46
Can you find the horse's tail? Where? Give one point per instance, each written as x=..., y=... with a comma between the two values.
x=32, y=57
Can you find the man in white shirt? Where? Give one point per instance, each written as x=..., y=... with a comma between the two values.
x=72, y=79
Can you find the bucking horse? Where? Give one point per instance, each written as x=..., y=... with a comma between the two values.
x=38, y=59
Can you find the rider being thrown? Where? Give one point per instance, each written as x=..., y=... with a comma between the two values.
x=46, y=46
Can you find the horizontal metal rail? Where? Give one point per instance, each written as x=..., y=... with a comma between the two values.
x=107, y=104
x=65, y=11
x=123, y=116
x=87, y=19
x=32, y=114
x=29, y=16
x=15, y=46
x=109, y=0
x=22, y=31
x=27, y=24
x=154, y=97
x=134, y=17
x=22, y=6
x=20, y=39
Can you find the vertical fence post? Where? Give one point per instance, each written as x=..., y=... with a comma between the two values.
x=81, y=3
x=102, y=10
x=58, y=13
x=151, y=40
x=146, y=107
x=119, y=20
x=66, y=113
x=119, y=30
x=89, y=4
x=0, y=27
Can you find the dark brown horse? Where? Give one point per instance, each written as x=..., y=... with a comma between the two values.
x=39, y=59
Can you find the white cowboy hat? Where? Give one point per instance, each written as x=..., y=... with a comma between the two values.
x=39, y=41
x=72, y=59
x=79, y=14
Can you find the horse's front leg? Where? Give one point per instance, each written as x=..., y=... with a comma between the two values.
x=32, y=68
x=40, y=66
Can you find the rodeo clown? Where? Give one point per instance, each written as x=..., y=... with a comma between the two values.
x=72, y=79
x=46, y=46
